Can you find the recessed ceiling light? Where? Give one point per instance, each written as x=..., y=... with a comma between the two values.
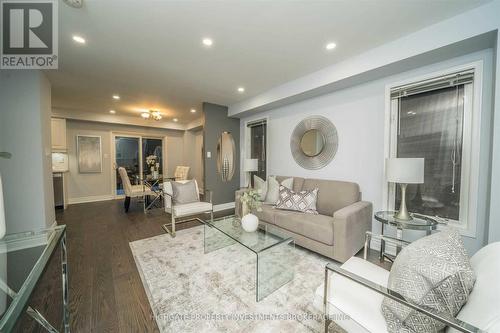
x=241, y=89
x=79, y=39
x=112, y=111
x=145, y=115
x=117, y=97
x=330, y=46
x=176, y=120
x=207, y=41
x=193, y=110
x=411, y=113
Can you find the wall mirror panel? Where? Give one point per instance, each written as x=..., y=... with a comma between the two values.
x=226, y=154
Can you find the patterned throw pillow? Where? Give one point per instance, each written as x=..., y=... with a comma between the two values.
x=433, y=272
x=303, y=201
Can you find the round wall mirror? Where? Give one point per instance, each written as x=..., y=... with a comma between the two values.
x=312, y=142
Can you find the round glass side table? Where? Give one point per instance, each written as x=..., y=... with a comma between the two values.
x=419, y=222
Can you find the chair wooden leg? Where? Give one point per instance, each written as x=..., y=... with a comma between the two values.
x=126, y=204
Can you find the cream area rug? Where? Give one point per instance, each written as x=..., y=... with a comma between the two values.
x=190, y=291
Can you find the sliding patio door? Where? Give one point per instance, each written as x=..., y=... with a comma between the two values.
x=128, y=155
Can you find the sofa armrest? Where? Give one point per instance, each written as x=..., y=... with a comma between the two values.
x=386, y=292
x=350, y=225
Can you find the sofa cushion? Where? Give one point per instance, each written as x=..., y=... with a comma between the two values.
x=332, y=194
x=433, y=272
x=297, y=182
x=360, y=304
x=266, y=214
x=316, y=227
x=481, y=309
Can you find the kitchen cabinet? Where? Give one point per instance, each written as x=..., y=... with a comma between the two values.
x=58, y=129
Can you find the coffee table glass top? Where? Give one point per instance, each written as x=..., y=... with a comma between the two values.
x=419, y=222
x=264, y=238
x=273, y=250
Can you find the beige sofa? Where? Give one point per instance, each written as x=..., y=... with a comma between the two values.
x=338, y=231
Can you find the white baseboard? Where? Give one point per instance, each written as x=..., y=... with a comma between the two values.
x=95, y=198
x=389, y=248
x=224, y=206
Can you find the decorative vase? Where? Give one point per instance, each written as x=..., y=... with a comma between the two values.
x=249, y=222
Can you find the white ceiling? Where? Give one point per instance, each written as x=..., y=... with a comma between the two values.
x=150, y=52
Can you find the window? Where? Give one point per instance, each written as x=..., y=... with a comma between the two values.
x=257, y=132
x=434, y=119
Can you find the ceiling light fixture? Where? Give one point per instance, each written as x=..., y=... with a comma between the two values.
x=153, y=114
x=241, y=89
x=207, y=41
x=79, y=39
x=193, y=110
x=176, y=120
x=112, y=111
x=117, y=97
x=330, y=46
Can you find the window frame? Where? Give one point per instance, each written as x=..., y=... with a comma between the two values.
x=469, y=187
x=248, y=143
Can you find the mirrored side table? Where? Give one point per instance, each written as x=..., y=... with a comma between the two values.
x=23, y=260
x=419, y=222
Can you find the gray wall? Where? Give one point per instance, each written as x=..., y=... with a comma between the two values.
x=99, y=186
x=217, y=121
x=25, y=132
x=193, y=154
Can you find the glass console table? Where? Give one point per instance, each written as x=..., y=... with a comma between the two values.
x=272, y=249
x=23, y=259
x=418, y=222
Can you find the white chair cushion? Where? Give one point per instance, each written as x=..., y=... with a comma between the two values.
x=361, y=304
x=139, y=191
x=482, y=308
x=192, y=208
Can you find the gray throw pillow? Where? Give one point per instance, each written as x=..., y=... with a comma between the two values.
x=260, y=185
x=273, y=188
x=303, y=201
x=183, y=193
x=435, y=273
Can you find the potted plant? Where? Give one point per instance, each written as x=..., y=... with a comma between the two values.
x=153, y=165
x=250, y=202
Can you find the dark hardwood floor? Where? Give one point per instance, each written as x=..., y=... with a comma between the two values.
x=106, y=292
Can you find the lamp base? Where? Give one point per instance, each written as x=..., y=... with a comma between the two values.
x=403, y=213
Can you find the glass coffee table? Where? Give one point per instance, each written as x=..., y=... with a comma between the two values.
x=272, y=248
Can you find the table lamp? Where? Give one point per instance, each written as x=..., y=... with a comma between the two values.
x=250, y=165
x=404, y=171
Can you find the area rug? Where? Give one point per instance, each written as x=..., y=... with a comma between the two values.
x=190, y=291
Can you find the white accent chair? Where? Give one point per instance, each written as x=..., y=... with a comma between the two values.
x=132, y=191
x=356, y=289
x=184, y=210
x=181, y=172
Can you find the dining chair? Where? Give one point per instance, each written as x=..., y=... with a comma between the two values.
x=181, y=172
x=132, y=191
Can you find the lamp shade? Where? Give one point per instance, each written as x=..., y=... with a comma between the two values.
x=405, y=170
x=250, y=164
